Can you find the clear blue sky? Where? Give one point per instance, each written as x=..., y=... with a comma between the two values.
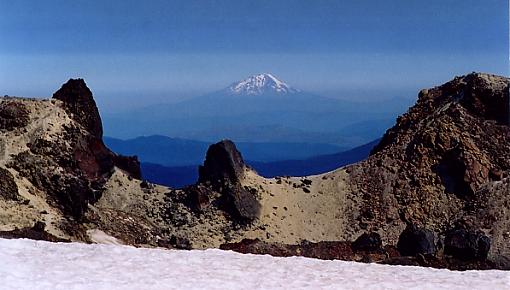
x=165, y=50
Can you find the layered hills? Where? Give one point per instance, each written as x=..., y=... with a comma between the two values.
x=436, y=186
x=260, y=108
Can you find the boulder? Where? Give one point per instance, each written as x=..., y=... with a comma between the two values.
x=367, y=242
x=414, y=241
x=467, y=245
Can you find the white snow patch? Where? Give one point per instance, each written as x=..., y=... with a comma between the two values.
x=260, y=84
x=27, y=264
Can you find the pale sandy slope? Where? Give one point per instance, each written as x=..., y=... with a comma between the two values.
x=47, y=120
x=293, y=211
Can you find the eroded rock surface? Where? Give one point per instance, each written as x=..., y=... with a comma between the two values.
x=8, y=186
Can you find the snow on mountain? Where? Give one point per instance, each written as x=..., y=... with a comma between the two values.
x=28, y=264
x=264, y=83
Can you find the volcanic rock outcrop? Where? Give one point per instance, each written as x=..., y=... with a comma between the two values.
x=434, y=167
x=223, y=163
x=53, y=163
x=223, y=171
x=444, y=168
x=80, y=105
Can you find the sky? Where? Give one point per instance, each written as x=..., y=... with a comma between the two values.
x=140, y=52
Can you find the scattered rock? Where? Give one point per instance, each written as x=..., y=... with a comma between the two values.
x=306, y=181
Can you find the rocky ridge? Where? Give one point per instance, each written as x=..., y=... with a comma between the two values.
x=435, y=188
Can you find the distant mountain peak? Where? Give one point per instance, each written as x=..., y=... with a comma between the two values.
x=261, y=84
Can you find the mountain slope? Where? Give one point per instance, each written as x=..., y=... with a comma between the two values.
x=439, y=168
x=54, y=166
x=440, y=177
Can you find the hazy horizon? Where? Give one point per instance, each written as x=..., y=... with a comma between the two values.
x=132, y=53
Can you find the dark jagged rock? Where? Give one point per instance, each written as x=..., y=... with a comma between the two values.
x=368, y=242
x=8, y=187
x=79, y=102
x=415, y=241
x=223, y=162
x=222, y=172
x=442, y=263
x=321, y=250
x=13, y=115
x=180, y=243
x=467, y=245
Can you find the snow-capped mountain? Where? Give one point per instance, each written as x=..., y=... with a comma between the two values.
x=264, y=83
x=260, y=108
